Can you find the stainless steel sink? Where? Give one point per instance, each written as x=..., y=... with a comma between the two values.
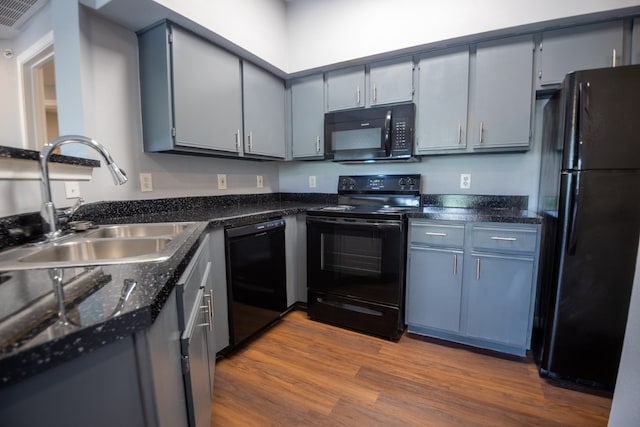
x=109, y=244
x=138, y=230
x=93, y=250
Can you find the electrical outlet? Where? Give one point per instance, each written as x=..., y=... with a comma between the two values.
x=72, y=189
x=465, y=180
x=259, y=181
x=312, y=181
x=146, y=182
x=222, y=181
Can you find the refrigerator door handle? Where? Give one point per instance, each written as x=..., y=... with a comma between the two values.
x=572, y=241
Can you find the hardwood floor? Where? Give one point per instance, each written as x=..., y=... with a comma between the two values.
x=307, y=373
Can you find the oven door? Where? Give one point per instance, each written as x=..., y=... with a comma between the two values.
x=356, y=258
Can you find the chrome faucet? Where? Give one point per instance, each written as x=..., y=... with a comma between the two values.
x=50, y=220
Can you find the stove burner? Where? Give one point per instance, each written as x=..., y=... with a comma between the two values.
x=338, y=208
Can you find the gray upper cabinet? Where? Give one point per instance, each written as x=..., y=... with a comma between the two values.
x=443, y=95
x=579, y=48
x=264, y=113
x=345, y=88
x=635, y=42
x=502, y=96
x=391, y=82
x=191, y=93
x=307, y=117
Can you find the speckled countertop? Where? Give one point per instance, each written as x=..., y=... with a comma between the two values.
x=31, y=338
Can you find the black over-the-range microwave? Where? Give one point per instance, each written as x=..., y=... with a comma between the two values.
x=369, y=134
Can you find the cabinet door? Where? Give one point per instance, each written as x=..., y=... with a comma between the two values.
x=264, y=116
x=207, y=94
x=579, y=48
x=635, y=42
x=499, y=297
x=345, y=88
x=503, y=94
x=434, y=286
x=196, y=364
x=390, y=82
x=442, y=101
x=307, y=117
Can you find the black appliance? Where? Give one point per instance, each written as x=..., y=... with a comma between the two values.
x=590, y=204
x=369, y=134
x=256, y=278
x=356, y=254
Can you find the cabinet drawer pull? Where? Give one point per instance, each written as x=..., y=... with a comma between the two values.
x=508, y=239
x=481, y=131
x=358, y=95
x=459, y=133
x=238, y=140
x=375, y=93
x=249, y=141
x=613, y=60
x=432, y=233
x=317, y=144
x=477, y=268
x=455, y=265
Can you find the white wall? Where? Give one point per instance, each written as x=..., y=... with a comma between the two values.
x=111, y=102
x=256, y=25
x=625, y=410
x=322, y=32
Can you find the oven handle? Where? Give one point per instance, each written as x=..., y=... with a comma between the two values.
x=357, y=222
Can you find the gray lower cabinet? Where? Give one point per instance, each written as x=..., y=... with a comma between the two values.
x=195, y=302
x=473, y=283
x=501, y=96
x=443, y=94
x=160, y=376
x=191, y=93
x=307, y=117
x=578, y=48
x=264, y=113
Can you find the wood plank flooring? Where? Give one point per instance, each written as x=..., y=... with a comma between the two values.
x=305, y=373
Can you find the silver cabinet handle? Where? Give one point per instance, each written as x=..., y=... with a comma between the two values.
x=375, y=93
x=209, y=297
x=317, y=144
x=432, y=233
x=455, y=265
x=208, y=323
x=613, y=59
x=238, y=140
x=481, y=131
x=358, y=95
x=477, y=268
x=249, y=141
x=508, y=239
x=459, y=133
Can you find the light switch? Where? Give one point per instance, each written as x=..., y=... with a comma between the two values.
x=222, y=181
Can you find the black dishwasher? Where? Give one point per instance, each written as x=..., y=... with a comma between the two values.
x=256, y=278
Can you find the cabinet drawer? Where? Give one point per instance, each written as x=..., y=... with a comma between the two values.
x=437, y=234
x=504, y=239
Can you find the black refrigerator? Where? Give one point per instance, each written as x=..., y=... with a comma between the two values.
x=589, y=199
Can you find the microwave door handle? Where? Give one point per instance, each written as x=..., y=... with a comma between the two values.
x=387, y=134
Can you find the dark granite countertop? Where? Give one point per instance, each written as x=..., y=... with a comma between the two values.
x=476, y=208
x=24, y=154
x=31, y=338
x=514, y=216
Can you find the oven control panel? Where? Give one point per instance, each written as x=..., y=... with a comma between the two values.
x=379, y=183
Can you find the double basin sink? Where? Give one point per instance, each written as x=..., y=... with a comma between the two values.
x=108, y=244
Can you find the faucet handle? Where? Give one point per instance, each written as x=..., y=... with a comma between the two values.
x=66, y=214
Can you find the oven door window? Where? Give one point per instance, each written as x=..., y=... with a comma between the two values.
x=356, y=260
